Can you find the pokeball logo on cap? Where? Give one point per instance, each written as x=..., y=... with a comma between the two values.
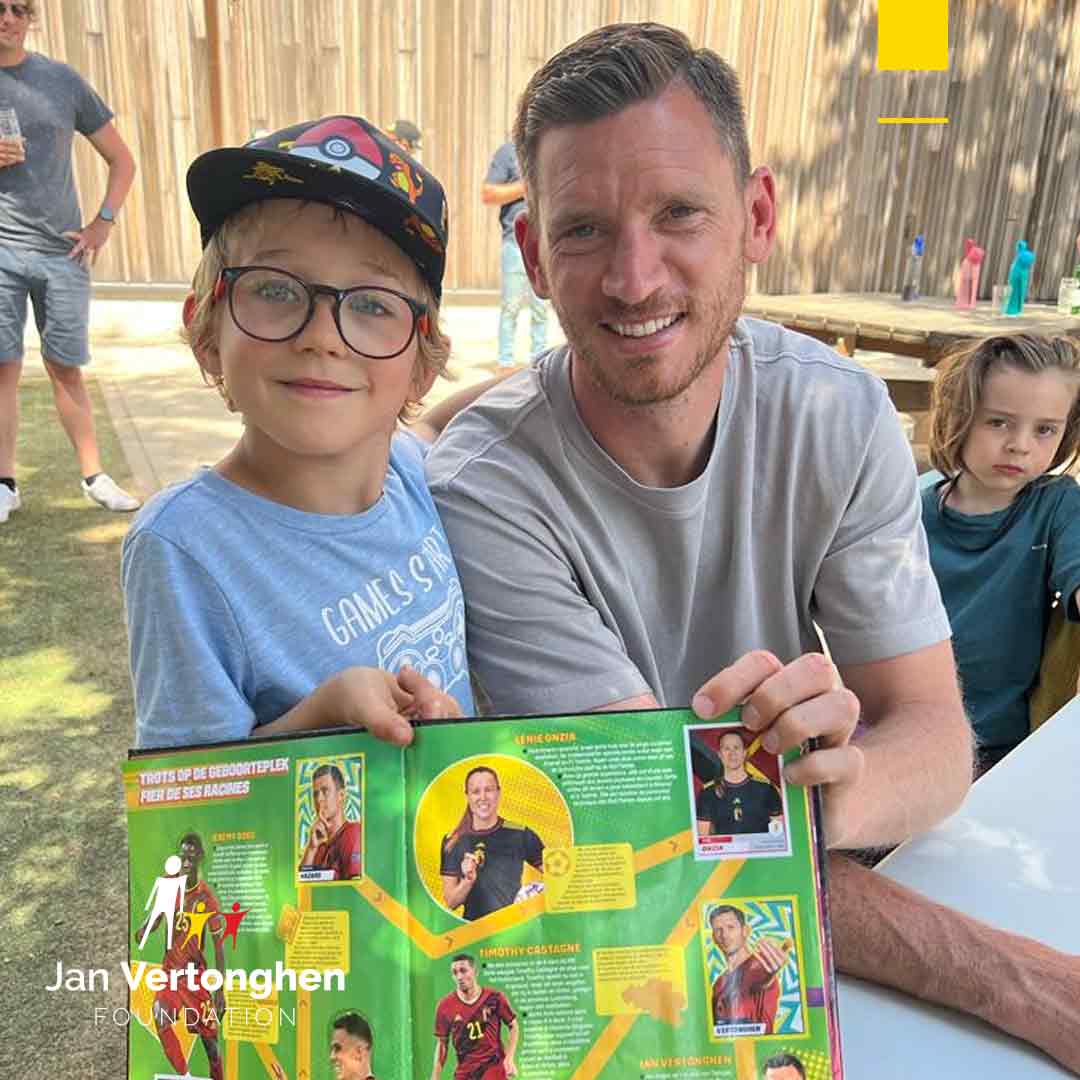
x=344, y=143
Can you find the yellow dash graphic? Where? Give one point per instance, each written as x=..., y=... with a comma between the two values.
x=912, y=119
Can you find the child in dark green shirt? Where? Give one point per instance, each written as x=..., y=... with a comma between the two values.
x=1004, y=535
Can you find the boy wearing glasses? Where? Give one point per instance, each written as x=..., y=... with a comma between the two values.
x=305, y=581
x=45, y=250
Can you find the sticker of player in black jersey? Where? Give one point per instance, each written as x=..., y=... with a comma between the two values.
x=472, y=1017
x=482, y=861
x=330, y=798
x=737, y=794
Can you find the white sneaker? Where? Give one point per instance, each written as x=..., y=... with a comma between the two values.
x=106, y=492
x=9, y=502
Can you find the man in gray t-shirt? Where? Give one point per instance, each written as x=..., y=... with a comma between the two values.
x=681, y=490
x=45, y=250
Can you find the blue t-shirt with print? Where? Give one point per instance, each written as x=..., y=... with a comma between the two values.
x=239, y=607
x=998, y=575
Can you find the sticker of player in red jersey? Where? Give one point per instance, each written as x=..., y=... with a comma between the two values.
x=470, y=1018
x=334, y=849
x=746, y=996
x=201, y=1010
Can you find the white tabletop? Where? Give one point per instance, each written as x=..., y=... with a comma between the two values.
x=1008, y=856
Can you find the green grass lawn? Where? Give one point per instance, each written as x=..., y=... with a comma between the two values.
x=65, y=726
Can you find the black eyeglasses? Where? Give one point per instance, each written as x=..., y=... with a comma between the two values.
x=269, y=304
x=20, y=11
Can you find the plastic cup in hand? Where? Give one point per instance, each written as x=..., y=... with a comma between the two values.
x=10, y=133
x=9, y=125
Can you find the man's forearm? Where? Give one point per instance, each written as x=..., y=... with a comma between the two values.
x=886, y=933
x=501, y=194
x=918, y=770
x=916, y=750
x=121, y=175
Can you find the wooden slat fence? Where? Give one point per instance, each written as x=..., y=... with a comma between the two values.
x=183, y=74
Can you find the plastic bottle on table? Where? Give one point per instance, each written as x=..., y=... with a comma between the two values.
x=913, y=271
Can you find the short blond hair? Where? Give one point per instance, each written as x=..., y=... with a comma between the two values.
x=958, y=388
x=433, y=348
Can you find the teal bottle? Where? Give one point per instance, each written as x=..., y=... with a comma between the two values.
x=1019, y=278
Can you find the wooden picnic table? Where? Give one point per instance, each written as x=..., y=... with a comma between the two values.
x=882, y=322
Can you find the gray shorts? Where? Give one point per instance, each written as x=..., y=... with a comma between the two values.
x=59, y=289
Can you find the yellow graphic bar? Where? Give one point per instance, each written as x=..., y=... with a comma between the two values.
x=432, y=945
x=912, y=119
x=745, y=1060
x=913, y=35
x=680, y=844
x=494, y=923
x=619, y=1027
x=303, y=1005
x=435, y=946
x=269, y=1060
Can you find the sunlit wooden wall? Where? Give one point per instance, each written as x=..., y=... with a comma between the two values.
x=852, y=192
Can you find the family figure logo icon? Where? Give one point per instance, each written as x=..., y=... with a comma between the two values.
x=167, y=897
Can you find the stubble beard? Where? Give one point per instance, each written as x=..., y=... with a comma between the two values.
x=642, y=381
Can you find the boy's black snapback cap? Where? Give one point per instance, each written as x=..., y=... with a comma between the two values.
x=340, y=160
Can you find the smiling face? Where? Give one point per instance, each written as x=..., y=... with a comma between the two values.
x=732, y=753
x=642, y=243
x=13, y=31
x=311, y=401
x=1016, y=431
x=350, y=1056
x=482, y=794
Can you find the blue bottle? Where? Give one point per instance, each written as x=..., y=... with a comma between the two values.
x=913, y=271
